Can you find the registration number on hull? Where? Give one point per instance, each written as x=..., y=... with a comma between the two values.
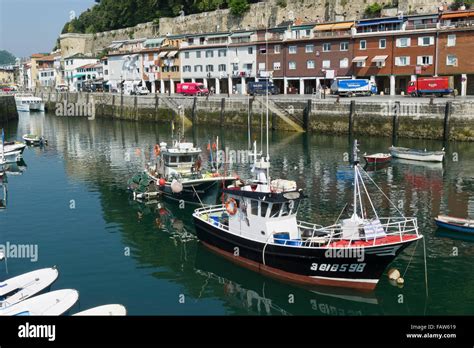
x=336, y=267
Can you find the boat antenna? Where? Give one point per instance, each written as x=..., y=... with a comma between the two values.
x=268, y=81
x=356, y=178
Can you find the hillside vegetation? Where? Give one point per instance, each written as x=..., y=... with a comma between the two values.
x=117, y=14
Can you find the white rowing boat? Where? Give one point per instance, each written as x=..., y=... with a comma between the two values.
x=105, y=310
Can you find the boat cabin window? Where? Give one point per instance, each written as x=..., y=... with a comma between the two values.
x=263, y=209
x=275, y=210
x=185, y=159
x=253, y=207
x=294, y=206
x=285, y=209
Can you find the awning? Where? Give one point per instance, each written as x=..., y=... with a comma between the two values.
x=78, y=75
x=153, y=42
x=457, y=15
x=323, y=27
x=343, y=25
x=216, y=36
x=246, y=34
x=379, y=59
x=116, y=45
x=379, y=21
x=171, y=54
x=162, y=54
x=359, y=59
x=302, y=27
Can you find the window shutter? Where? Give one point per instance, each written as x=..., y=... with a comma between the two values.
x=431, y=60
x=408, y=42
x=408, y=60
x=419, y=60
x=420, y=41
x=397, y=61
x=431, y=40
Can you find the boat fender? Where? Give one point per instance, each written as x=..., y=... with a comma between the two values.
x=162, y=182
x=231, y=206
x=176, y=186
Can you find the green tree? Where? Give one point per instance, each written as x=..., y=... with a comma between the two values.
x=6, y=57
x=238, y=7
x=373, y=10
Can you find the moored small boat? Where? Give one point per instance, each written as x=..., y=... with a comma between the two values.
x=35, y=140
x=377, y=158
x=455, y=224
x=52, y=303
x=28, y=102
x=105, y=310
x=26, y=285
x=416, y=154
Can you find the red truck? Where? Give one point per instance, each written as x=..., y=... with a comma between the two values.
x=191, y=88
x=435, y=86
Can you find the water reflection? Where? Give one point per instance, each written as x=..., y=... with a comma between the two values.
x=98, y=157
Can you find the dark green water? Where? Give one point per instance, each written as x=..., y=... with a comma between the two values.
x=87, y=163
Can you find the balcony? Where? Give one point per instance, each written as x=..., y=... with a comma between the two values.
x=332, y=34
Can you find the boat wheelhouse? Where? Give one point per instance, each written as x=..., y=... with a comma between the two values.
x=258, y=228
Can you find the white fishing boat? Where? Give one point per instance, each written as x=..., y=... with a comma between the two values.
x=52, y=303
x=257, y=228
x=24, y=286
x=12, y=146
x=28, y=102
x=10, y=157
x=178, y=174
x=417, y=155
x=105, y=310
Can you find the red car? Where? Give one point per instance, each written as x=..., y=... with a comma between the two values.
x=191, y=88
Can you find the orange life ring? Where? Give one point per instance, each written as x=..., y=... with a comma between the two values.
x=231, y=206
x=157, y=150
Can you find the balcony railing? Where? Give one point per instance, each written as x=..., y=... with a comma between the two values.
x=332, y=34
x=421, y=26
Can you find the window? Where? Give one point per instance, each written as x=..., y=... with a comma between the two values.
x=248, y=66
x=451, y=40
x=424, y=60
x=326, y=47
x=426, y=41
x=402, y=61
x=209, y=68
x=221, y=53
x=326, y=64
x=106, y=72
x=222, y=67
x=250, y=50
x=344, y=63
x=186, y=55
x=209, y=54
x=263, y=209
x=263, y=50
x=198, y=54
x=275, y=210
x=363, y=44
x=276, y=65
x=292, y=65
x=276, y=49
x=292, y=49
x=235, y=66
x=344, y=46
x=310, y=64
x=451, y=60
x=187, y=68
x=403, y=42
x=309, y=48
x=383, y=43
x=360, y=64
x=198, y=68
x=254, y=207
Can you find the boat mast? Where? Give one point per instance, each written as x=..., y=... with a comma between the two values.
x=356, y=181
x=268, y=81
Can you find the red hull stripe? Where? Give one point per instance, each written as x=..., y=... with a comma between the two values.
x=291, y=277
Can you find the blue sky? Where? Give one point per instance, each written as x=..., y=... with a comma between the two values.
x=32, y=26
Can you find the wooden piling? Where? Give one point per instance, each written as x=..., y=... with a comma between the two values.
x=447, y=114
x=222, y=111
x=306, y=115
x=351, y=118
x=395, y=122
x=193, y=111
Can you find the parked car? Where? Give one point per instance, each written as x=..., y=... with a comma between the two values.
x=141, y=90
x=191, y=88
x=261, y=87
x=431, y=86
x=353, y=87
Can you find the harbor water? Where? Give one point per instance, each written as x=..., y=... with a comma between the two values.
x=71, y=201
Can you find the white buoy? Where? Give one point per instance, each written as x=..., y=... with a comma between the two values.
x=393, y=274
x=400, y=281
x=176, y=186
